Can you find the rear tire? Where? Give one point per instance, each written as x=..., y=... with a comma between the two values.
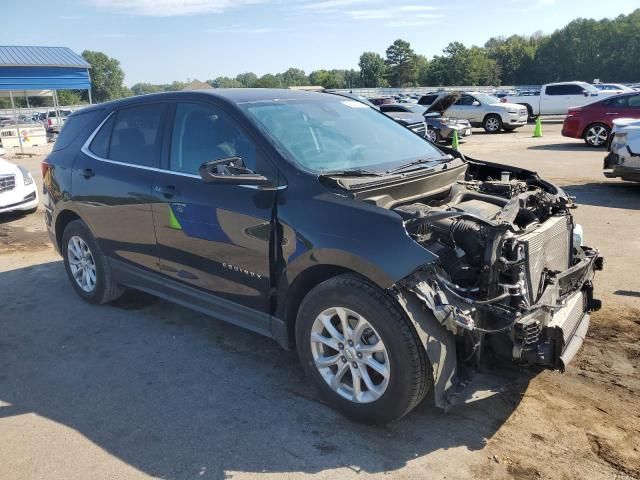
x=87, y=267
x=596, y=135
x=492, y=123
x=373, y=322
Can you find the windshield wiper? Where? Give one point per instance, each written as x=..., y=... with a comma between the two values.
x=355, y=172
x=431, y=161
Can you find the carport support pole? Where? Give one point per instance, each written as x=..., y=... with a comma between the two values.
x=15, y=120
x=90, y=101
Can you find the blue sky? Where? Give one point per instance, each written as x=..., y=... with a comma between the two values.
x=163, y=40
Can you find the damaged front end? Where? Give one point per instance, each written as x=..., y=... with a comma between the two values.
x=512, y=282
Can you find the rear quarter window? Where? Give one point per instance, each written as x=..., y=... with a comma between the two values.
x=74, y=126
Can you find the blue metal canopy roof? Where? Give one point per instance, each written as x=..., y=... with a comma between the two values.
x=42, y=68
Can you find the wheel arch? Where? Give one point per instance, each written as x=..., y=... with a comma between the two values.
x=492, y=114
x=63, y=219
x=304, y=282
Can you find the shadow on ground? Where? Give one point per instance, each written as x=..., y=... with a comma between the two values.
x=568, y=146
x=624, y=195
x=178, y=395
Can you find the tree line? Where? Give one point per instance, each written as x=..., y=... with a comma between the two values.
x=584, y=49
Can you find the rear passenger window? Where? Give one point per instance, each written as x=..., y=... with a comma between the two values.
x=136, y=137
x=73, y=126
x=100, y=144
x=555, y=90
x=634, y=101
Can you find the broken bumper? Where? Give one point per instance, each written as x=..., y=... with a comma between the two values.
x=554, y=330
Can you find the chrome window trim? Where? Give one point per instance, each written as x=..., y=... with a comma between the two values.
x=85, y=149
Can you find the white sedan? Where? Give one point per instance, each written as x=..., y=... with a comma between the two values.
x=18, y=191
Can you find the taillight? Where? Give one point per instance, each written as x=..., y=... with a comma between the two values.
x=503, y=100
x=49, y=122
x=44, y=166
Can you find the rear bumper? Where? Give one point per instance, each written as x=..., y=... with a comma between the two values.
x=572, y=128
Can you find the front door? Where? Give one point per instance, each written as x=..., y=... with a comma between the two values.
x=214, y=237
x=112, y=179
x=464, y=108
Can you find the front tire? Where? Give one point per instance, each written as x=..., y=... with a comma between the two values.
x=361, y=351
x=87, y=267
x=596, y=135
x=433, y=136
x=492, y=123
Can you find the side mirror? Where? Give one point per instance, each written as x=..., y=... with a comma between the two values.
x=476, y=103
x=230, y=171
x=586, y=93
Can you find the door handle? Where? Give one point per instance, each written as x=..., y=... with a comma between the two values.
x=88, y=173
x=612, y=113
x=168, y=190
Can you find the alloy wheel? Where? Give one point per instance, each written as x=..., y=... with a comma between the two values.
x=492, y=124
x=596, y=135
x=82, y=264
x=350, y=355
x=432, y=135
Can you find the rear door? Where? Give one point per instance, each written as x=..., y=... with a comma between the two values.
x=214, y=237
x=112, y=180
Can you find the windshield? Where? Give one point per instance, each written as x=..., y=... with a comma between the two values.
x=331, y=134
x=486, y=98
x=414, y=107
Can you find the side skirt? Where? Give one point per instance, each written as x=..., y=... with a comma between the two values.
x=194, y=299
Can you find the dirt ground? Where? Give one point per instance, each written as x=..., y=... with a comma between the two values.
x=145, y=389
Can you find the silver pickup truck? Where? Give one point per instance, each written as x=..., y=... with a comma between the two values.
x=483, y=110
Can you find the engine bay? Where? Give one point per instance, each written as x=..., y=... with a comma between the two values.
x=504, y=246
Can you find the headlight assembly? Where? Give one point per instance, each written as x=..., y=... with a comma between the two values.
x=28, y=179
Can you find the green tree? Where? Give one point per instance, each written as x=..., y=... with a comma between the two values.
x=373, y=70
x=69, y=97
x=328, y=78
x=294, y=77
x=423, y=69
x=225, y=82
x=268, y=81
x=248, y=79
x=106, y=77
x=145, y=88
x=402, y=64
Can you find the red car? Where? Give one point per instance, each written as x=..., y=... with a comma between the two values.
x=593, y=122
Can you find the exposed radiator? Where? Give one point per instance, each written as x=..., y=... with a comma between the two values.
x=547, y=248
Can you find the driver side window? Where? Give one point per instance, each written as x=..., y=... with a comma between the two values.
x=202, y=133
